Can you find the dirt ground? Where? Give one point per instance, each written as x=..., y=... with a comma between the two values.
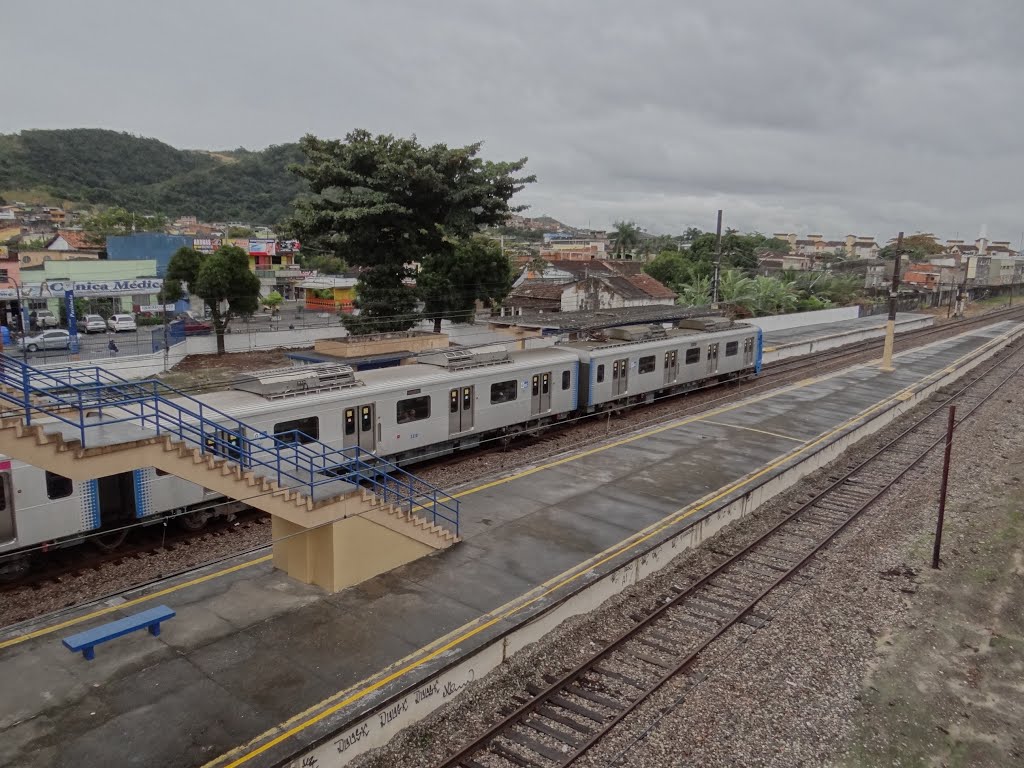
x=948, y=688
x=213, y=372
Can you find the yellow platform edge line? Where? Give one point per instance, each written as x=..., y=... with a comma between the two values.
x=562, y=580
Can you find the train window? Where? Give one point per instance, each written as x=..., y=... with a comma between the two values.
x=504, y=391
x=731, y=348
x=365, y=418
x=453, y=401
x=600, y=373
x=566, y=379
x=413, y=409
x=58, y=486
x=298, y=430
x=350, y=421
x=536, y=385
x=646, y=364
x=693, y=355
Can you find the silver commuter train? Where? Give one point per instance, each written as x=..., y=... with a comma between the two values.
x=444, y=402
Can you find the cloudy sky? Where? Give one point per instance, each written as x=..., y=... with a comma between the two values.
x=823, y=116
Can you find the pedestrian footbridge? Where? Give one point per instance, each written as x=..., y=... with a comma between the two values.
x=339, y=515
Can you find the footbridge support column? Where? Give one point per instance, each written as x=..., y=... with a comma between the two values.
x=342, y=553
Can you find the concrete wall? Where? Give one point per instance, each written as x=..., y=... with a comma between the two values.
x=841, y=338
x=380, y=343
x=799, y=319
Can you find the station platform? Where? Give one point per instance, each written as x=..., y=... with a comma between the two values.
x=259, y=670
x=804, y=340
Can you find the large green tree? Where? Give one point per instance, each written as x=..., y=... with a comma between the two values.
x=451, y=284
x=386, y=204
x=670, y=268
x=222, y=279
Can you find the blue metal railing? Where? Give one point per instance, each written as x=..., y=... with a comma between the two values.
x=89, y=398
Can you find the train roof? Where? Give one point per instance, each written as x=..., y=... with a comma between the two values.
x=637, y=335
x=249, y=399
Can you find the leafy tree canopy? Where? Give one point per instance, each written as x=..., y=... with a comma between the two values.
x=917, y=247
x=322, y=263
x=117, y=221
x=385, y=203
x=222, y=279
x=671, y=268
x=451, y=284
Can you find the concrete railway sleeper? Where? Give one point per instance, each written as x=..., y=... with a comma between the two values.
x=558, y=724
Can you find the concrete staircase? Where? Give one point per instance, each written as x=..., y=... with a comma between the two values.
x=55, y=447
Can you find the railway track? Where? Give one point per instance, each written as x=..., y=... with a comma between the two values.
x=556, y=725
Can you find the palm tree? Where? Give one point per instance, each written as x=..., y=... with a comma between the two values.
x=627, y=237
x=695, y=294
x=772, y=296
x=735, y=288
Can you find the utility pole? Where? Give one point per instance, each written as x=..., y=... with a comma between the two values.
x=718, y=258
x=890, y=326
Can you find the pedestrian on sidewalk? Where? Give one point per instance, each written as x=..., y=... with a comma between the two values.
x=112, y=347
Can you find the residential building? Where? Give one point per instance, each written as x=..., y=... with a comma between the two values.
x=9, y=212
x=71, y=240
x=851, y=247
x=566, y=286
x=779, y=261
x=33, y=258
x=573, y=249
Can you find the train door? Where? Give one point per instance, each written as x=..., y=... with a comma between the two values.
x=620, y=377
x=748, y=352
x=460, y=410
x=712, y=358
x=671, y=366
x=116, y=495
x=7, y=531
x=359, y=427
x=540, y=393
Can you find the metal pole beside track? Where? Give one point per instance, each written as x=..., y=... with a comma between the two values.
x=890, y=326
x=944, y=485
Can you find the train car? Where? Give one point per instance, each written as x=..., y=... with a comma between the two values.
x=446, y=401
x=638, y=363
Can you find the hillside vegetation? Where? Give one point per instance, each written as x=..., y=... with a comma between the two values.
x=103, y=167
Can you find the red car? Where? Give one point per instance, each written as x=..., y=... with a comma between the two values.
x=194, y=327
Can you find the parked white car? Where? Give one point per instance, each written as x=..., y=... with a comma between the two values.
x=44, y=318
x=93, y=324
x=118, y=323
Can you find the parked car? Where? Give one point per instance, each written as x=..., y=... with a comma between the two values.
x=54, y=339
x=43, y=318
x=118, y=323
x=93, y=324
x=194, y=327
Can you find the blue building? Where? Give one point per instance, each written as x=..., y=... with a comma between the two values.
x=147, y=245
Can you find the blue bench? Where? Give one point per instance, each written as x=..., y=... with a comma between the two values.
x=88, y=640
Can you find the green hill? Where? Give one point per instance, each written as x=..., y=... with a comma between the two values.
x=103, y=167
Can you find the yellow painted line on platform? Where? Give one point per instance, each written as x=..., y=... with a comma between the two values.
x=752, y=429
x=769, y=349
x=131, y=603
x=469, y=631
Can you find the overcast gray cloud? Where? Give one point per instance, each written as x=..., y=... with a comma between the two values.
x=804, y=115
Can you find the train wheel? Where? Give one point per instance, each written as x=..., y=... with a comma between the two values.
x=111, y=541
x=512, y=434
x=13, y=568
x=194, y=521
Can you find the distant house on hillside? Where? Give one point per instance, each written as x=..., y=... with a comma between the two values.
x=71, y=240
